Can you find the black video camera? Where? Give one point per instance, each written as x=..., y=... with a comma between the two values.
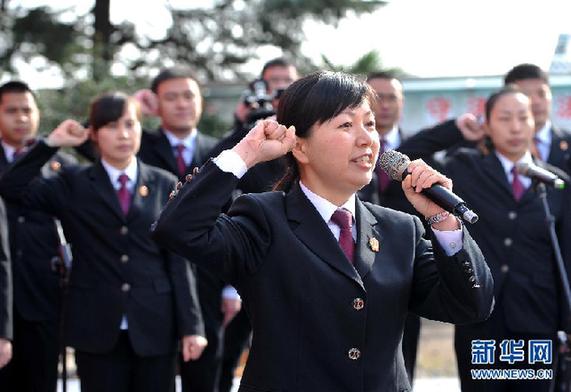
x=260, y=101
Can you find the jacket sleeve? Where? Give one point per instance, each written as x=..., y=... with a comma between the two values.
x=188, y=313
x=428, y=141
x=6, y=320
x=192, y=225
x=187, y=307
x=458, y=288
x=22, y=182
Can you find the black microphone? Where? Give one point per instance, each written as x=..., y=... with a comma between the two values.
x=540, y=174
x=395, y=164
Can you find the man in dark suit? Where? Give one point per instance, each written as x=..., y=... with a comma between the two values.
x=6, y=318
x=179, y=147
x=551, y=144
x=33, y=245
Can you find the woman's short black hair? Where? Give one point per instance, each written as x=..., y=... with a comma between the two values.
x=315, y=99
x=110, y=107
x=494, y=97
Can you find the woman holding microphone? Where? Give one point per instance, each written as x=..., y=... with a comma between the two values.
x=326, y=280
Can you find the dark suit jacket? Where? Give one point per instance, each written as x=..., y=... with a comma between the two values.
x=6, y=326
x=513, y=235
x=118, y=270
x=515, y=240
x=33, y=245
x=301, y=294
x=560, y=153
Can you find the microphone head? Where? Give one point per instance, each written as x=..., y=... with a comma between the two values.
x=394, y=164
x=536, y=172
x=522, y=168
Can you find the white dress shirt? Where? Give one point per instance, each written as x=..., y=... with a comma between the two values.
x=543, y=139
x=188, y=142
x=508, y=165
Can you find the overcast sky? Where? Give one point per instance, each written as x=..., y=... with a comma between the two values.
x=423, y=37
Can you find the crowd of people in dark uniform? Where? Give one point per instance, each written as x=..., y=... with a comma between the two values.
x=159, y=285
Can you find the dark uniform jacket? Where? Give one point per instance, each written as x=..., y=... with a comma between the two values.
x=118, y=270
x=319, y=323
x=6, y=320
x=512, y=234
x=34, y=245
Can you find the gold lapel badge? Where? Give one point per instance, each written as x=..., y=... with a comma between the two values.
x=563, y=145
x=55, y=166
x=374, y=244
x=143, y=191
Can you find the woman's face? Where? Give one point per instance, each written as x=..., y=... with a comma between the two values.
x=511, y=125
x=119, y=141
x=338, y=157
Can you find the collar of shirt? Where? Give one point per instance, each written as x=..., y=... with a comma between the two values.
x=543, y=139
x=508, y=165
x=392, y=138
x=326, y=209
x=189, y=142
x=114, y=173
x=8, y=151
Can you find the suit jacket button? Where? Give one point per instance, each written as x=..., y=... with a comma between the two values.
x=512, y=215
x=354, y=353
x=508, y=241
x=504, y=268
x=358, y=303
x=21, y=219
x=125, y=287
x=124, y=230
x=124, y=259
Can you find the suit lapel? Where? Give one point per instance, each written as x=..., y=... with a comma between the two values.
x=310, y=228
x=164, y=150
x=103, y=187
x=3, y=160
x=495, y=170
x=143, y=188
x=367, y=236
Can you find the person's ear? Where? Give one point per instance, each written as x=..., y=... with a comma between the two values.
x=299, y=150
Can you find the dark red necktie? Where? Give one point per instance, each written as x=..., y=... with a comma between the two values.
x=123, y=194
x=180, y=163
x=343, y=218
x=18, y=152
x=517, y=187
x=384, y=179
